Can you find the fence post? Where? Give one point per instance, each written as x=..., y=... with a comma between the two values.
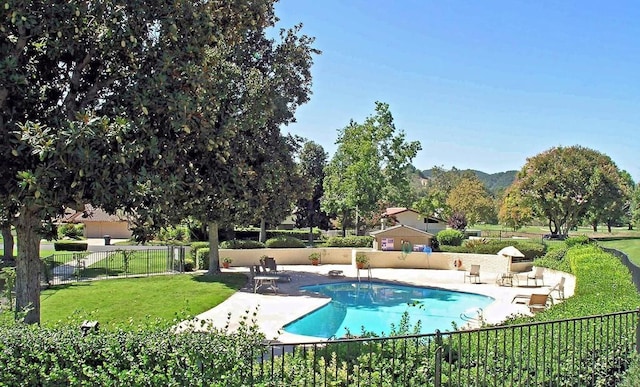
x=437, y=382
x=638, y=331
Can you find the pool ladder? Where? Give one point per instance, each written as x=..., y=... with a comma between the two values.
x=368, y=268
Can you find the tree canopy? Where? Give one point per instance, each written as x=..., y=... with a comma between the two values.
x=370, y=165
x=563, y=184
x=145, y=106
x=313, y=160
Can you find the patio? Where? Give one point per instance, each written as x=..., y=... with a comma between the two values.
x=273, y=311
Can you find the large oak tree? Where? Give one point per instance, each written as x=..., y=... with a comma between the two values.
x=563, y=183
x=143, y=106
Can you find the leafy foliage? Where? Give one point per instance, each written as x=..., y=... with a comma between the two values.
x=471, y=198
x=70, y=230
x=284, y=242
x=308, y=211
x=350, y=241
x=370, y=165
x=241, y=244
x=458, y=221
x=563, y=184
x=150, y=355
x=163, y=108
x=450, y=238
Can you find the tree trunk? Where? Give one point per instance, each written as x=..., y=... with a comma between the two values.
x=28, y=265
x=263, y=231
x=7, y=239
x=595, y=227
x=609, y=226
x=214, y=254
x=310, y=235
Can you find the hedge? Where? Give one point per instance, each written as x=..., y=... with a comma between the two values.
x=70, y=246
x=241, y=244
x=193, y=249
x=284, y=242
x=531, y=250
x=450, y=237
x=202, y=258
x=254, y=234
x=35, y=356
x=350, y=241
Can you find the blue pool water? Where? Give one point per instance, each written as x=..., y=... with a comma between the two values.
x=377, y=305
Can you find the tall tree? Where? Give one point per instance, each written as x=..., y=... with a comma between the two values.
x=313, y=160
x=470, y=197
x=515, y=212
x=370, y=165
x=564, y=183
x=276, y=186
x=187, y=86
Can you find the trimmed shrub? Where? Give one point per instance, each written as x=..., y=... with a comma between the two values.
x=254, y=233
x=284, y=242
x=577, y=240
x=202, y=258
x=450, y=237
x=194, y=248
x=147, y=356
x=70, y=246
x=350, y=241
x=241, y=244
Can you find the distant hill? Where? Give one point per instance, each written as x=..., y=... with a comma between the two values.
x=493, y=181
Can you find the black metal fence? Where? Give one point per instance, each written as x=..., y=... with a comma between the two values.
x=588, y=351
x=89, y=265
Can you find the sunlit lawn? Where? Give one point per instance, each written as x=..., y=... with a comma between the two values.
x=631, y=247
x=119, y=301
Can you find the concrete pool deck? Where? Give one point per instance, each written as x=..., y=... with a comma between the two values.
x=273, y=311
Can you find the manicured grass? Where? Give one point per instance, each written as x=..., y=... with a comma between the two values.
x=136, y=300
x=631, y=247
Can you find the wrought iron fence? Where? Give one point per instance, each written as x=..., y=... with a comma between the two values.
x=587, y=351
x=89, y=265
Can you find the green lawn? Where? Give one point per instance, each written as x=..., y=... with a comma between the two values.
x=631, y=247
x=136, y=300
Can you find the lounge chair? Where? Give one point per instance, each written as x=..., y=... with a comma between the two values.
x=538, y=302
x=473, y=274
x=559, y=287
x=537, y=275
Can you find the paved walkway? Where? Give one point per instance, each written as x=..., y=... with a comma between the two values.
x=273, y=311
x=68, y=270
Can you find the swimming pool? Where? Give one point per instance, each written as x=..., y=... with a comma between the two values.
x=376, y=305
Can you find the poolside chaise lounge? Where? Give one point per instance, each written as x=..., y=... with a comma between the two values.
x=473, y=274
x=536, y=301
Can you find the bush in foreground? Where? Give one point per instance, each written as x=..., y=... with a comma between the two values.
x=149, y=356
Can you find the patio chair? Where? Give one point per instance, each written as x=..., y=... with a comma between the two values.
x=559, y=287
x=269, y=263
x=536, y=276
x=539, y=302
x=473, y=274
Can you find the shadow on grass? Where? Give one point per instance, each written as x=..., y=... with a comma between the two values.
x=231, y=280
x=50, y=291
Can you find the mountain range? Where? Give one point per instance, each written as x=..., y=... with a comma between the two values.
x=494, y=182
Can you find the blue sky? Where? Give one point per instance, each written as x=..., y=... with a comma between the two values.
x=481, y=84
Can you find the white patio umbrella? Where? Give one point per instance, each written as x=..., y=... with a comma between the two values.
x=510, y=251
